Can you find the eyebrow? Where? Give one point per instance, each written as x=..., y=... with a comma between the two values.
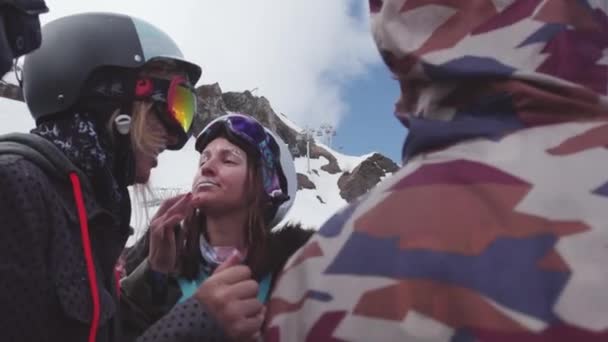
x=223, y=152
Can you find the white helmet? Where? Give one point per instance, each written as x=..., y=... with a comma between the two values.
x=278, y=169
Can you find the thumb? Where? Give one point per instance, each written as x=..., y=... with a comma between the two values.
x=234, y=259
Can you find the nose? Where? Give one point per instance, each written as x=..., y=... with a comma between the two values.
x=209, y=167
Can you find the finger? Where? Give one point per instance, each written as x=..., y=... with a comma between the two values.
x=260, y=314
x=169, y=228
x=164, y=225
x=168, y=203
x=256, y=337
x=172, y=221
x=233, y=260
x=196, y=200
x=181, y=235
x=250, y=308
x=232, y=275
x=244, y=290
x=248, y=327
x=157, y=227
x=161, y=215
x=182, y=206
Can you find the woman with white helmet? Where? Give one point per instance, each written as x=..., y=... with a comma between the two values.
x=215, y=270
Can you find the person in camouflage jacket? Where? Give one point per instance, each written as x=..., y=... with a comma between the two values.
x=495, y=228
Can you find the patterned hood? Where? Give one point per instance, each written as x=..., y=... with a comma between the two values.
x=485, y=68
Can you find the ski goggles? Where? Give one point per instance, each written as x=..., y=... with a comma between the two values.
x=176, y=104
x=253, y=133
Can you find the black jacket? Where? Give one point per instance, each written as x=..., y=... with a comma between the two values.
x=45, y=290
x=146, y=309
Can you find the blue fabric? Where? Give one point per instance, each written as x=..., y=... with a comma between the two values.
x=188, y=287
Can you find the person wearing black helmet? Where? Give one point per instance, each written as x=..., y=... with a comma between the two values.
x=210, y=279
x=108, y=93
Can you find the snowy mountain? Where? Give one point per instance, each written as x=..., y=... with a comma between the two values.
x=334, y=178
x=312, y=206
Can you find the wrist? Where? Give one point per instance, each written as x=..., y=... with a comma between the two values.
x=158, y=283
x=155, y=268
x=157, y=276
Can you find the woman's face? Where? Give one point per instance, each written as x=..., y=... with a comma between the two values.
x=220, y=182
x=146, y=158
x=157, y=136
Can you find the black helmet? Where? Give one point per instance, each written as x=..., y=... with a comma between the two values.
x=73, y=47
x=19, y=29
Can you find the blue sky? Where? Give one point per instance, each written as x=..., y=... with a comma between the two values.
x=369, y=124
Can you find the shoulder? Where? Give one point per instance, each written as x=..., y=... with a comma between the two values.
x=20, y=177
x=30, y=197
x=24, y=205
x=285, y=241
x=291, y=236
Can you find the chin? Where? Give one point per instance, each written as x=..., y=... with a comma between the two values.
x=209, y=203
x=142, y=178
x=201, y=200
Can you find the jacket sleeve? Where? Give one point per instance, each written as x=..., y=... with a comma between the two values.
x=188, y=321
x=26, y=289
x=145, y=299
x=150, y=311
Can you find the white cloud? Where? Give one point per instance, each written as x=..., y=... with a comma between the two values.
x=14, y=117
x=299, y=54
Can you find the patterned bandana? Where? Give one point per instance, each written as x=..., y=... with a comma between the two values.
x=77, y=136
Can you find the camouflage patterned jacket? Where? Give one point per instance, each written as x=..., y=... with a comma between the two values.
x=496, y=228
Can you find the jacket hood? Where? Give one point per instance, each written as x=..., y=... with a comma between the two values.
x=469, y=60
x=285, y=241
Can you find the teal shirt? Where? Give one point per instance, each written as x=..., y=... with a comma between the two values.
x=188, y=287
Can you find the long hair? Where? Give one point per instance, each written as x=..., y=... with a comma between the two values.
x=141, y=137
x=256, y=225
x=145, y=140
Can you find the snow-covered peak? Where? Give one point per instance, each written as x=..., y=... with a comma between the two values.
x=346, y=162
